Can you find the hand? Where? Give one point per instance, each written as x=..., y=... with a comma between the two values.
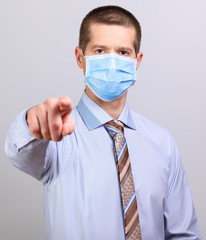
x=51, y=120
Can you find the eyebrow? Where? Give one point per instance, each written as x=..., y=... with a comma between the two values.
x=124, y=49
x=105, y=47
x=99, y=46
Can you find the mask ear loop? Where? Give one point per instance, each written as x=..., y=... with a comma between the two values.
x=83, y=54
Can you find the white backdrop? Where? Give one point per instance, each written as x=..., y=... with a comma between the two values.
x=37, y=41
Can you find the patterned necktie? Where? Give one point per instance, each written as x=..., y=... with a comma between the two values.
x=131, y=216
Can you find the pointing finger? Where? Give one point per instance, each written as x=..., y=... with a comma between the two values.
x=65, y=104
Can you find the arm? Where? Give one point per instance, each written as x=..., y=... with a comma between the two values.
x=28, y=144
x=24, y=151
x=180, y=218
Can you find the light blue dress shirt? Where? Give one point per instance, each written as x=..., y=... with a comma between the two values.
x=82, y=194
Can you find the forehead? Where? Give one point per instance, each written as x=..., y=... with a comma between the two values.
x=111, y=35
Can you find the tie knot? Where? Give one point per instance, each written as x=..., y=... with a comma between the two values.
x=115, y=127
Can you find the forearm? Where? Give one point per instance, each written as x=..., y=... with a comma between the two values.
x=25, y=152
x=180, y=218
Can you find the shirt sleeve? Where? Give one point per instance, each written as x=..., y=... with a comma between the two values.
x=34, y=157
x=180, y=217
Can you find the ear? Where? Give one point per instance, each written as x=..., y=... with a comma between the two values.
x=79, y=57
x=139, y=59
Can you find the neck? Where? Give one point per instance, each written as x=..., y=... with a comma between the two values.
x=113, y=108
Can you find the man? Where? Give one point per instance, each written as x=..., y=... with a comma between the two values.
x=108, y=173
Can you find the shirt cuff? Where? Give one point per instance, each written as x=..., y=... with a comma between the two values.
x=19, y=134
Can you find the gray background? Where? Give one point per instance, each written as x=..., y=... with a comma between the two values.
x=37, y=41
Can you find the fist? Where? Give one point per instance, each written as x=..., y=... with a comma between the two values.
x=51, y=120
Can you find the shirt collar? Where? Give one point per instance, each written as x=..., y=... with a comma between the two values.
x=94, y=116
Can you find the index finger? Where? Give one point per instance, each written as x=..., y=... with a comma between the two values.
x=65, y=104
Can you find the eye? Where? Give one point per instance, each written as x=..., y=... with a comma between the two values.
x=99, y=51
x=124, y=53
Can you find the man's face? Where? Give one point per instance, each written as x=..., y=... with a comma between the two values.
x=110, y=39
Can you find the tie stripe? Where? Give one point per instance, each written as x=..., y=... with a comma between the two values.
x=129, y=204
x=130, y=212
x=124, y=156
x=124, y=170
x=131, y=217
x=121, y=154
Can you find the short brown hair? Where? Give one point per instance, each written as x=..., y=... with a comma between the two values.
x=111, y=15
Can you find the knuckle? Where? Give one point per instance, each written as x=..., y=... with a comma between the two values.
x=38, y=136
x=41, y=107
x=55, y=126
x=57, y=139
x=56, y=131
x=34, y=130
x=50, y=101
x=30, y=114
x=39, y=111
x=45, y=132
x=66, y=99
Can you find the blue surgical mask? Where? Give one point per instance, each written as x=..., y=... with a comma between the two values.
x=110, y=75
